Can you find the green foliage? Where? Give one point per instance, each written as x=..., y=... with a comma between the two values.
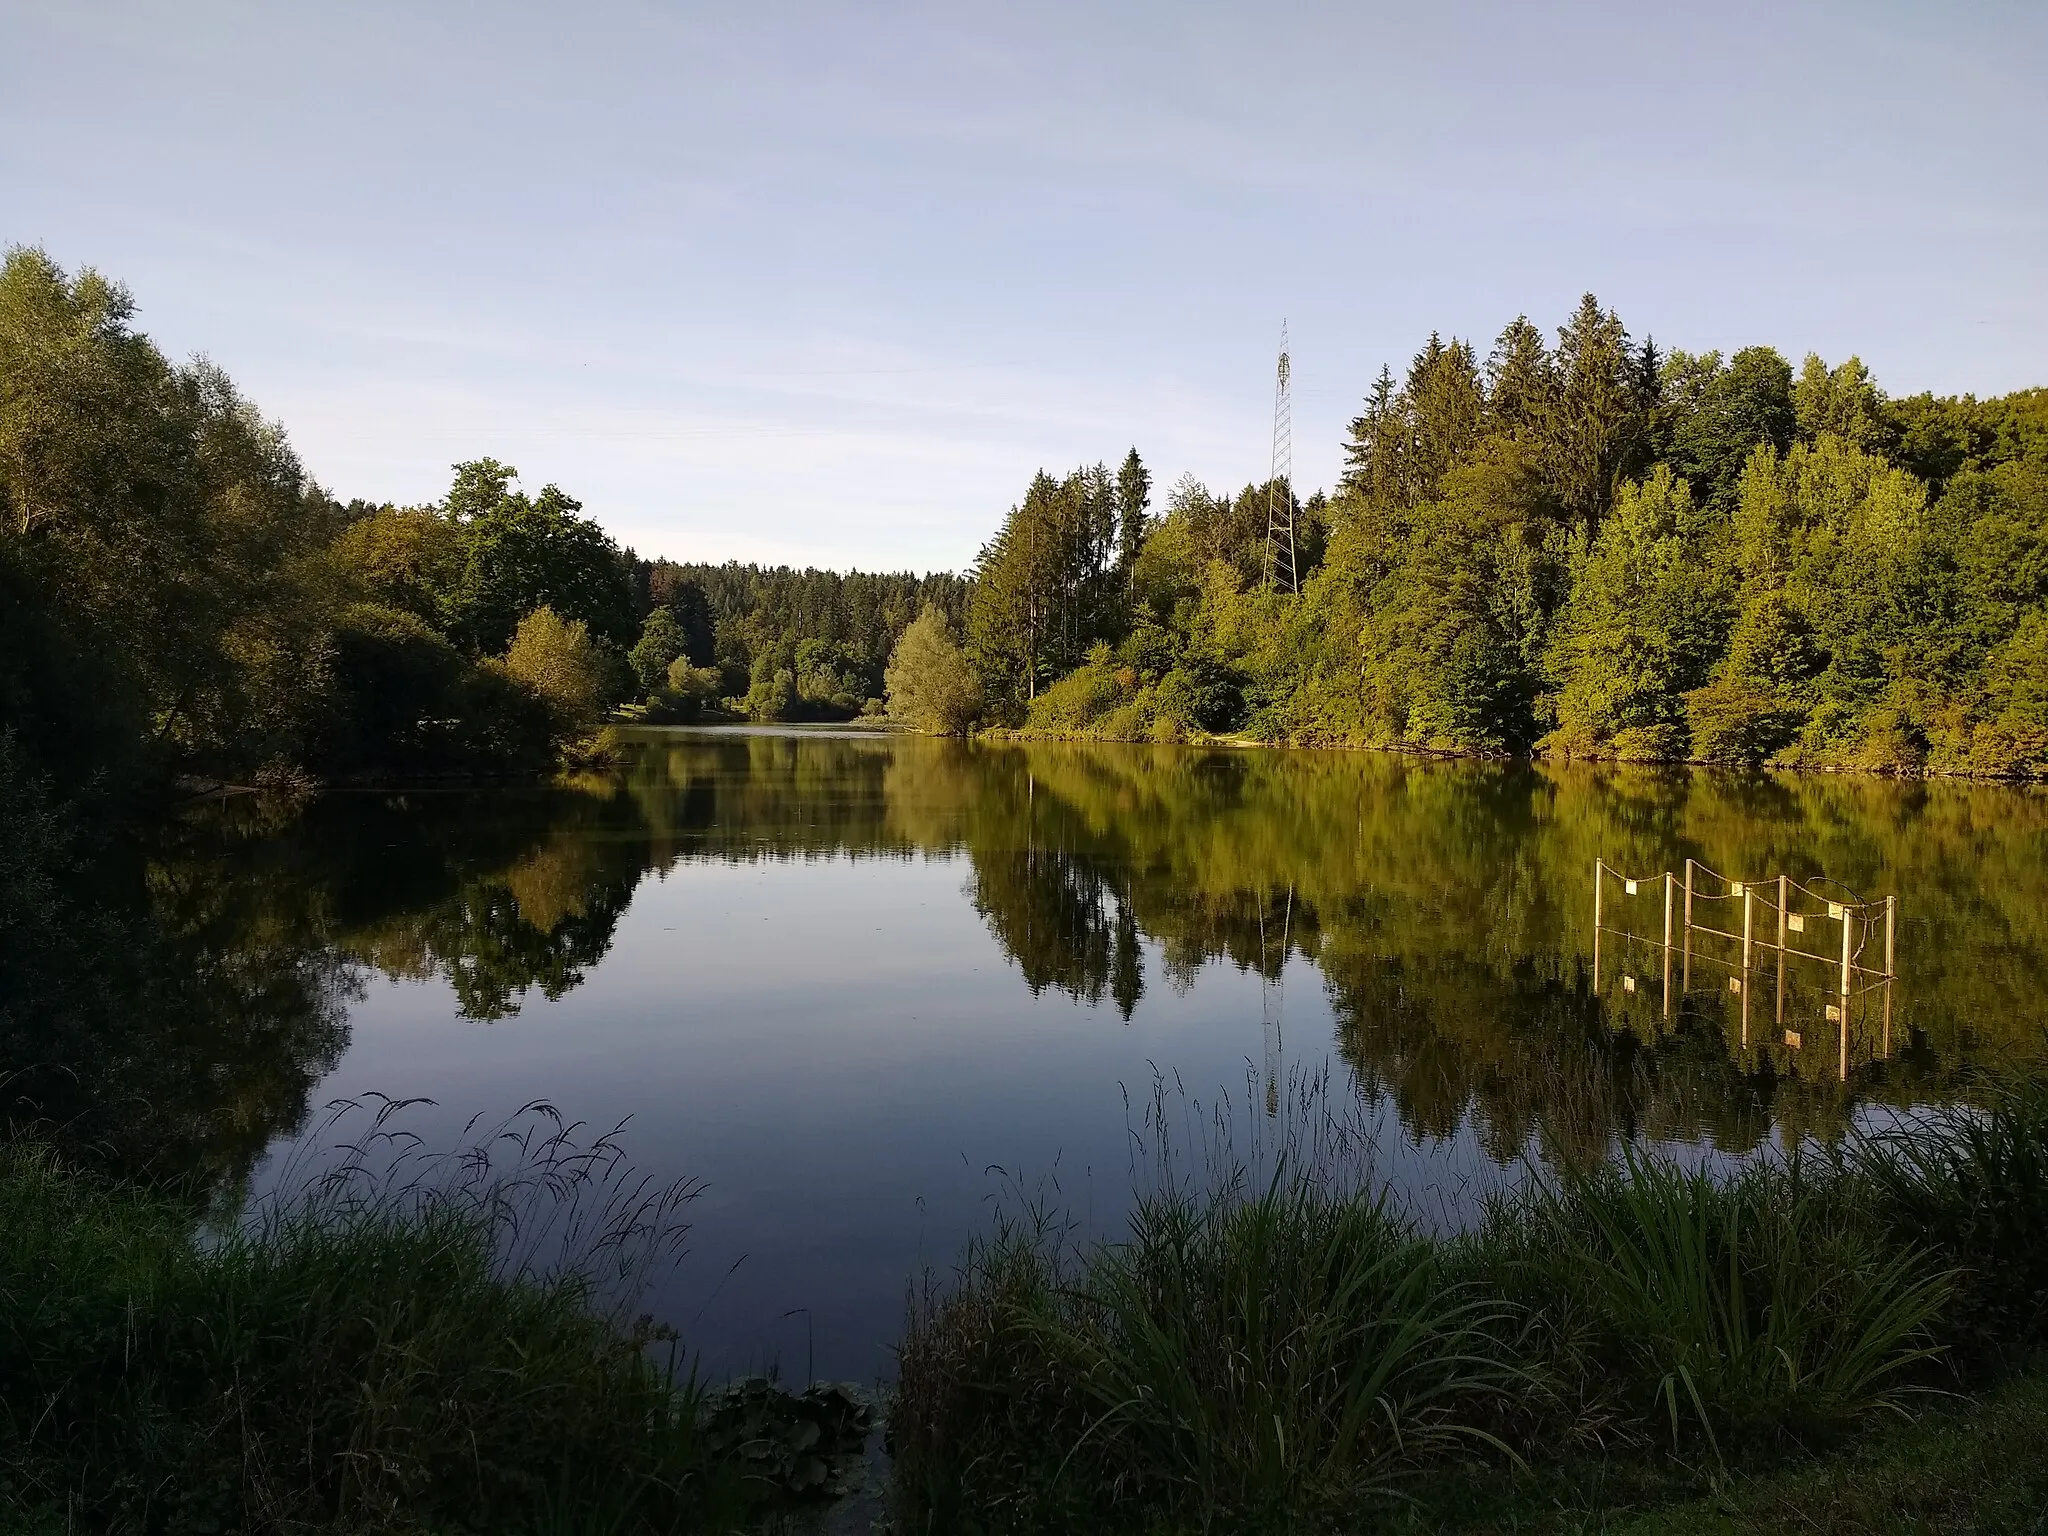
x=772, y=696
x=1714, y=415
x=1274, y=1358
x=1592, y=549
x=751, y=621
x=929, y=680
x=661, y=644
x=405, y=699
x=1045, y=588
x=1647, y=616
x=176, y=594
x=154, y=535
x=523, y=554
x=349, y=1364
x=407, y=558
x=1971, y=1186
x=559, y=660
x=1251, y=1361
x=1743, y=1308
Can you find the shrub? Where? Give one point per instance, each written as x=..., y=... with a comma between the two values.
x=406, y=700
x=558, y=659
x=1737, y=723
x=929, y=680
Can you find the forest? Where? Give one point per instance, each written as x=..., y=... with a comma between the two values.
x=1591, y=548
x=179, y=598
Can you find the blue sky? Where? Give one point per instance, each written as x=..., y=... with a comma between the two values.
x=826, y=283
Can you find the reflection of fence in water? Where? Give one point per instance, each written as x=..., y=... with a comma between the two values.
x=1848, y=981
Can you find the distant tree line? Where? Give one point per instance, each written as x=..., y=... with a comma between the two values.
x=1587, y=548
x=786, y=644
x=177, y=595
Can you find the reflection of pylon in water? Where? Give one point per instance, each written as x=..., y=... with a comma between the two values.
x=1273, y=997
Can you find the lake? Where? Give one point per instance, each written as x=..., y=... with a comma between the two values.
x=872, y=988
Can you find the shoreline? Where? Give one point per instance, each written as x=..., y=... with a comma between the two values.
x=1236, y=742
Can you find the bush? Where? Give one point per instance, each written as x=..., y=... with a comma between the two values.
x=929, y=681
x=558, y=659
x=407, y=701
x=1738, y=723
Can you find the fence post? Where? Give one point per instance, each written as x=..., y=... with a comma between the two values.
x=1784, y=902
x=1668, y=885
x=1598, y=866
x=1848, y=933
x=1891, y=913
x=1748, y=905
x=1685, y=982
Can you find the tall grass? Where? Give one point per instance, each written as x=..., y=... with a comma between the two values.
x=1277, y=1354
x=366, y=1356
x=1761, y=1305
x=1237, y=1352
x=1970, y=1183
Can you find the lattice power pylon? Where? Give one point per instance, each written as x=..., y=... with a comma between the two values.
x=1273, y=995
x=1281, y=572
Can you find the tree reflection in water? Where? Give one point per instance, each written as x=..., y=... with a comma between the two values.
x=171, y=1002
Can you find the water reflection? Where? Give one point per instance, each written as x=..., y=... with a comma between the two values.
x=189, y=994
x=1444, y=905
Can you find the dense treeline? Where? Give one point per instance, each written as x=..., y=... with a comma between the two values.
x=180, y=596
x=177, y=595
x=1590, y=548
x=788, y=644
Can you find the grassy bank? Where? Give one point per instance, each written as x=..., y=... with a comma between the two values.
x=366, y=1365
x=1299, y=1355
x=1845, y=1344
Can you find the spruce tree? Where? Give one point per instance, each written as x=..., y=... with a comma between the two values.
x=1133, y=498
x=1599, y=424
x=1372, y=455
x=1444, y=404
x=1521, y=383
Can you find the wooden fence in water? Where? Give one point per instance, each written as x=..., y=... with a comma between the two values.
x=1789, y=908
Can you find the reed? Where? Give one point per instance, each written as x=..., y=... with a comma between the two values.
x=374, y=1354
x=1970, y=1183
x=1294, y=1352
x=1760, y=1306
x=1238, y=1359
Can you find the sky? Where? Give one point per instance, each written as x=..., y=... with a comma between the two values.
x=826, y=283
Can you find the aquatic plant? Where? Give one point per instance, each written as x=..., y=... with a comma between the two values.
x=1269, y=1353
x=382, y=1350
x=1970, y=1183
x=1758, y=1304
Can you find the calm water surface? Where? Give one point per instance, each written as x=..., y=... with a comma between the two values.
x=866, y=988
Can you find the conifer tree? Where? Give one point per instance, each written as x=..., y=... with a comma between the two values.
x=1521, y=383
x=1444, y=404
x=1372, y=452
x=1133, y=499
x=1600, y=420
